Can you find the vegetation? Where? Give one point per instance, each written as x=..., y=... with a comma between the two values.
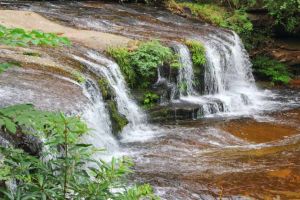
x=66, y=168
x=78, y=77
x=236, y=20
x=273, y=70
x=197, y=50
x=118, y=120
x=123, y=58
x=285, y=13
x=6, y=65
x=150, y=99
x=139, y=66
x=20, y=37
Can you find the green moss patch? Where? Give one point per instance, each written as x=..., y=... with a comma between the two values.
x=118, y=120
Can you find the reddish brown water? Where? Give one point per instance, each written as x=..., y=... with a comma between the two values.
x=239, y=158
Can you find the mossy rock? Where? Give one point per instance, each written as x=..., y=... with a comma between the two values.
x=118, y=120
x=106, y=90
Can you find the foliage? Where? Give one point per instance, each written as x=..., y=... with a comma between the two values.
x=66, y=168
x=271, y=69
x=150, y=99
x=106, y=91
x=149, y=56
x=285, y=13
x=197, y=50
x=118, y=120
x=220, y=16
x=123, y=58
x=20, y=37
x=35, y=54
x=79, y=77
x=4, y=66
x=140, y=65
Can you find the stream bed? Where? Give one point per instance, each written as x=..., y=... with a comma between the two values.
x=248, y=150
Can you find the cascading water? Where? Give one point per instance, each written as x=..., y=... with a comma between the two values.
x=96, y=116
x=137, y=129
x=228, y=81
x=186, y=74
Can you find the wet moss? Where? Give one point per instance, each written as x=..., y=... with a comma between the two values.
x=29, y=53
x=106, y=91
x=118, y=120
x=198, y=54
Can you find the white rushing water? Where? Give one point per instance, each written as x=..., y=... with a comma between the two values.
x=137, y=129
x=186, y=74
x=229, y=87
x=96, y=117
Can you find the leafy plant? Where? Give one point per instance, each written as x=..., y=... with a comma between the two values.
x=271, y=69
x=285, y=13
x=150, y=99
x=123, y=58
x=149, y=56
x=140, y=65
x=66, y=168
x=20, y=37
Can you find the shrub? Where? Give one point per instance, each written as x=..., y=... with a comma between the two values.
x=65, y=168
x=271, y=69
x=20, y=37
x=149, y=56
x=140, y=65
x=285, y=13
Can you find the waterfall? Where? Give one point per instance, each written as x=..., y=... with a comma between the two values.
x=96, y=116
x=186, y=74
x=137, y=129
x=229, y=86
x=113, y=74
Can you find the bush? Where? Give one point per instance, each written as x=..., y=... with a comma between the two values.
x=273, y=70
x=66, y=168
x=140, y=65
x=149, y=56
x=20, y=37
x=285, y=13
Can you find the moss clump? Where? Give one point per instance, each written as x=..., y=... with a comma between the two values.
x=106, y=90
x=272, y=70
x=118, y=120
x=139, y=66
x=79, y=77
x=35, y=54
x=197, y=50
